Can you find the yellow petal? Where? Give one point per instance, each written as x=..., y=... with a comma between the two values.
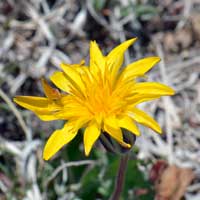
x=139, y=98
x=139, y=68
x=75, y=66
x=127, y=123
x=60, y=80
x=79, y=65
x=51, y=93
x=91, y=134
x=115, y=58
x=32, y=103
x=41, y=106
x=153, y=88
x=112, y=128
x=76, y=112
x=47, y=116
x=97, y=60
x=142, y=118
x=73, y=77
x=58, y=139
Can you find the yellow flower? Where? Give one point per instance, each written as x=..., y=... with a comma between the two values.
x=100, y=98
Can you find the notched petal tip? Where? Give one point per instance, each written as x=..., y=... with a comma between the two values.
x=126, y=44
x=87, y=153
x=45, y=157
x=15, y=99
x=91, y=135
x=159, y=130
x=18, y=99
x=172, y=92
x=155, y=60
x=169, y=91
x=124, y=144
x=132, y=40
x=93, y=44
x=128, y=146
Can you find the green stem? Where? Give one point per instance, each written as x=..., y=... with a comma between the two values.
x=119, y=182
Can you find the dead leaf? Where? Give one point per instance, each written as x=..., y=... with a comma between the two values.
x=179, y=40
x=169, y=42
x=184, y=37
x=167, y=184
x=172, y=182
x=185, y=178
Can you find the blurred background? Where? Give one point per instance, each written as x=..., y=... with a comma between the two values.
x=37, y=35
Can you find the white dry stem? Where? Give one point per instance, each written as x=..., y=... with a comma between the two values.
x=33, y=193
x=10, y=147
x=19, y=80
x=119, y=31
x=186, y=13
x=76, y=27
x=99, y=19
x=66, y=165
x=7, y=43
x=40, y=21
x=13, y=108
x=59, y=57
x=166, y=104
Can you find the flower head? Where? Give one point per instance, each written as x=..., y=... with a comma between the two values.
x=101, y=97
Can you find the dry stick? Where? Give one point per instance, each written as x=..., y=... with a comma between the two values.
x=186, y=13
x=66, y=165
x=16, y=113
x=119, y=182
x=97, y=17
x=63, y=166
x=166, y=101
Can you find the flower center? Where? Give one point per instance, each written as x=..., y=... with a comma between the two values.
x=101, y=99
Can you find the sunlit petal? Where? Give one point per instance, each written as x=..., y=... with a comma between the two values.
x=58, y=139
x=115, y=58
x=142, y=118
x=138, y=68
x=97, y=60
x=152, y=88
x=41, y=106
x=91, y=134
x=73, y=77
x=139, y=98
x=127, y=123
x=32, y=103
x=60, y=80
x=112, y=128
x=47, y=116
